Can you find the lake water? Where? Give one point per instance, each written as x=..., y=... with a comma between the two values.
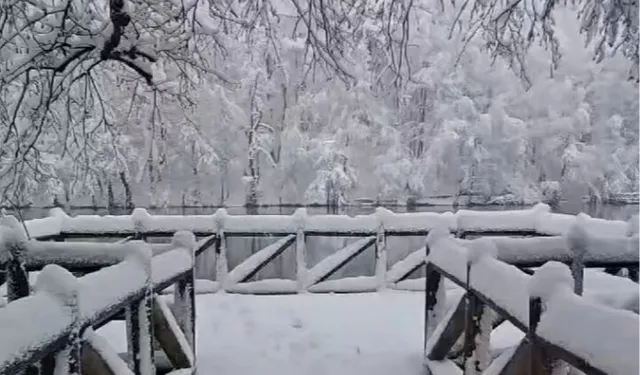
x=318, y=248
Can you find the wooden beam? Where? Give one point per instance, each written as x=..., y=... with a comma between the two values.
x=448, y=332
x=169, y=336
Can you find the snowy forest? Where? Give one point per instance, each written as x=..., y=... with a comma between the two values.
x=200, y=102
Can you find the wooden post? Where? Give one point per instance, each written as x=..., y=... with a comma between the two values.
x=60, y=283
x=540, y=362
x=184, y=295
x=221, y=248
x=381, y=257
x=301, y=249
x=433, y=279
x=577, y=240
x=577, y=270
x=139, y=324
x=141, y=219
x=477, y=331
x=14, y=242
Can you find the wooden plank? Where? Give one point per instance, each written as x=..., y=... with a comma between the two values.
x=433, y=280
x=523, y=326
x=334, y=262
x=447, y=332
x=93, y=363
x=406, y=267
x=206, y=243
x=514, y=361
x=170, y=338
x=246, y=270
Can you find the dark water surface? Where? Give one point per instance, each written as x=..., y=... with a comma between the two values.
x=318, y=248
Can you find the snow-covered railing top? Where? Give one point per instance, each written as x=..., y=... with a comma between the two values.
x=75, y=256
x=537, y=220
x=558, y=324
x=64, y=306
x=595, y=250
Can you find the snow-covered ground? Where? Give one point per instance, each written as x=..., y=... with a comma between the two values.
x=372, y=333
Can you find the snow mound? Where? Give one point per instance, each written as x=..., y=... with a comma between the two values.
x=549, y=279
x=480, y=248
x=58, y=282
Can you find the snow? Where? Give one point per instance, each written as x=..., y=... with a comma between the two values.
x=537, y=219
x=550, y=278
x=401, y=268
x=60, y=283
x=505, y=336
x=481, y=248
x=504, y=284
x=110, y=286
x=329, y=263
x=529, y=249
x=170, y=264
x=245, y=268
x=268, y=286
x=202, y=286
x=609, y=290
x=314, y=334
x=173, y=325
x=449, y=255
x=358, y=284
x=604, y=337
x=40, y=253
x=184, y=239
x=496, y=366
x=29, y=324
x=577, y=237
x=523, y=220
x=107, y=353
x=442, y=324
x=445, y=367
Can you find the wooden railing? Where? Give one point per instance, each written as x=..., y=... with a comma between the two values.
x=560, y=327
x=543, y=237
x=54, y=326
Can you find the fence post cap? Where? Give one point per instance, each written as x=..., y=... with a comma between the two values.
x=141, y=253
x=549, y=279
x=184, y=239
x=481, y=248
x=141, y=219
x=300, y=217
x=437, y=233
x=58, y=212
x=58, y=282
x=219, y=217
x=13, y=240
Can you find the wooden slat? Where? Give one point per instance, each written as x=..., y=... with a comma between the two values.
x=338, y=260
x=447, y=332
x=246, y=270
x=168, y=336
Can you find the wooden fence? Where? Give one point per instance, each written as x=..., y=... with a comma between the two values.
x=560, y=328
x=542, y=237
x=53, y=328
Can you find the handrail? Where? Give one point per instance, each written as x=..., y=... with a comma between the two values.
x=559, y=325
x=537, y=221
x=71, y=305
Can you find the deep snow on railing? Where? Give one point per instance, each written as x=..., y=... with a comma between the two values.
x=535, y=221
x=560, y=327
x=542, y=236
x=57, y=321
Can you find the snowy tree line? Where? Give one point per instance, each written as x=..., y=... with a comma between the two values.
x=123, y=102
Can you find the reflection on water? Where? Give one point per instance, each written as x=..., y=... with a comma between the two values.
x=319, y=247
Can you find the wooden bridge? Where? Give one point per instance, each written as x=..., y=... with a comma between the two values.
x=123, y=280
